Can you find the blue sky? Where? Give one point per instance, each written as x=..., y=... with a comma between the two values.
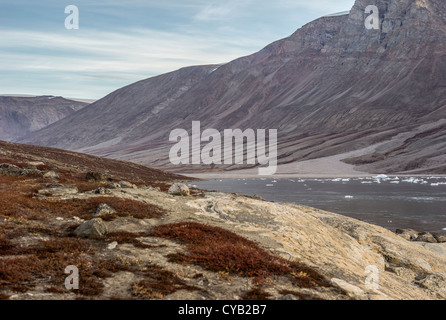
x=121, y=42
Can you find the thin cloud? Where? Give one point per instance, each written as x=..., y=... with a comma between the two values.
x=123, y=42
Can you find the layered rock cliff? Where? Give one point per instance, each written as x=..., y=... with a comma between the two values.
x=332, y=87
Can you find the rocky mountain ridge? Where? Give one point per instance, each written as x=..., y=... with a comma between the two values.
x=20, y=116
x=330, y=88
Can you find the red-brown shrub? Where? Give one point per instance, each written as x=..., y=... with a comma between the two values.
x=217, y=249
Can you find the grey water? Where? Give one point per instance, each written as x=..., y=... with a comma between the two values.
x=391, y=202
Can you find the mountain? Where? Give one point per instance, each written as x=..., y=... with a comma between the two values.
x=331, y=88
x=21, y=115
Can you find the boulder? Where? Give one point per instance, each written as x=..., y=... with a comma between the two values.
x=58, y=191
x=10, y=169
x=112, y=246
x=127, y=185
x=51, y=175
x=101, y=190
x=30, y=171
x=97, y=176
x=92, y=229
x=441, y=238
x=36, y=163
x=426, y=237
x=113, y=186
x=408, y=234
x=179, y=189
x=13, y=170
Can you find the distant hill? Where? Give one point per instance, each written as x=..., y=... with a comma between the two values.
x=21, y=115
x=79, y=163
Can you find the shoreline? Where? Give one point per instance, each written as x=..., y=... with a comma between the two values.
x=326, y=167
x=397, y=220
x=237, y=175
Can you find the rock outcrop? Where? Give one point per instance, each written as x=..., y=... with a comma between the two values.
x=208, y=245
x=92, y=229
x=344, y=249
x=179, y=189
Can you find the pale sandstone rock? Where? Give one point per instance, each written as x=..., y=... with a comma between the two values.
x=339, y=247
x=179, y=189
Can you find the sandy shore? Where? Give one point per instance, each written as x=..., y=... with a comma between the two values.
x=328, y=167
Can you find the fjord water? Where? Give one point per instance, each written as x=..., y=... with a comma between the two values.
x=391, y=202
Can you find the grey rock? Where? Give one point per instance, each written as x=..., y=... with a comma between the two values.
x=92, y=229
x=101, y=190
x=57, y=191
x=30, y=171
x=434, y=282
x=441, y=238
x=9, y=169
x=13, y=170
x=51, y=175
x=97, y=176
x=127, y=185
x=408, y=234
x=104, y=209
x=179, y=189
x=426, y=237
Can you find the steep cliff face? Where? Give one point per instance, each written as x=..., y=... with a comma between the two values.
x=22, y=115
x=331, y=87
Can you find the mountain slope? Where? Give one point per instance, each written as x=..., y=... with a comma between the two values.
x=331, y=87
x=22, y=115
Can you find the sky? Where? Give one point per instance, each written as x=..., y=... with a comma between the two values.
x=121, y=42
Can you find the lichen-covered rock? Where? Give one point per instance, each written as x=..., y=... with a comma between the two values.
x=441, y=238
x=426, y=237
x=97, y=176
x=58, y=191
x=408, y=234
x=50, y=175
x=127, y=185
x=104, y=209
x=9, y=169
x=179, y=189
x=92, y=229
x=13, y=170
